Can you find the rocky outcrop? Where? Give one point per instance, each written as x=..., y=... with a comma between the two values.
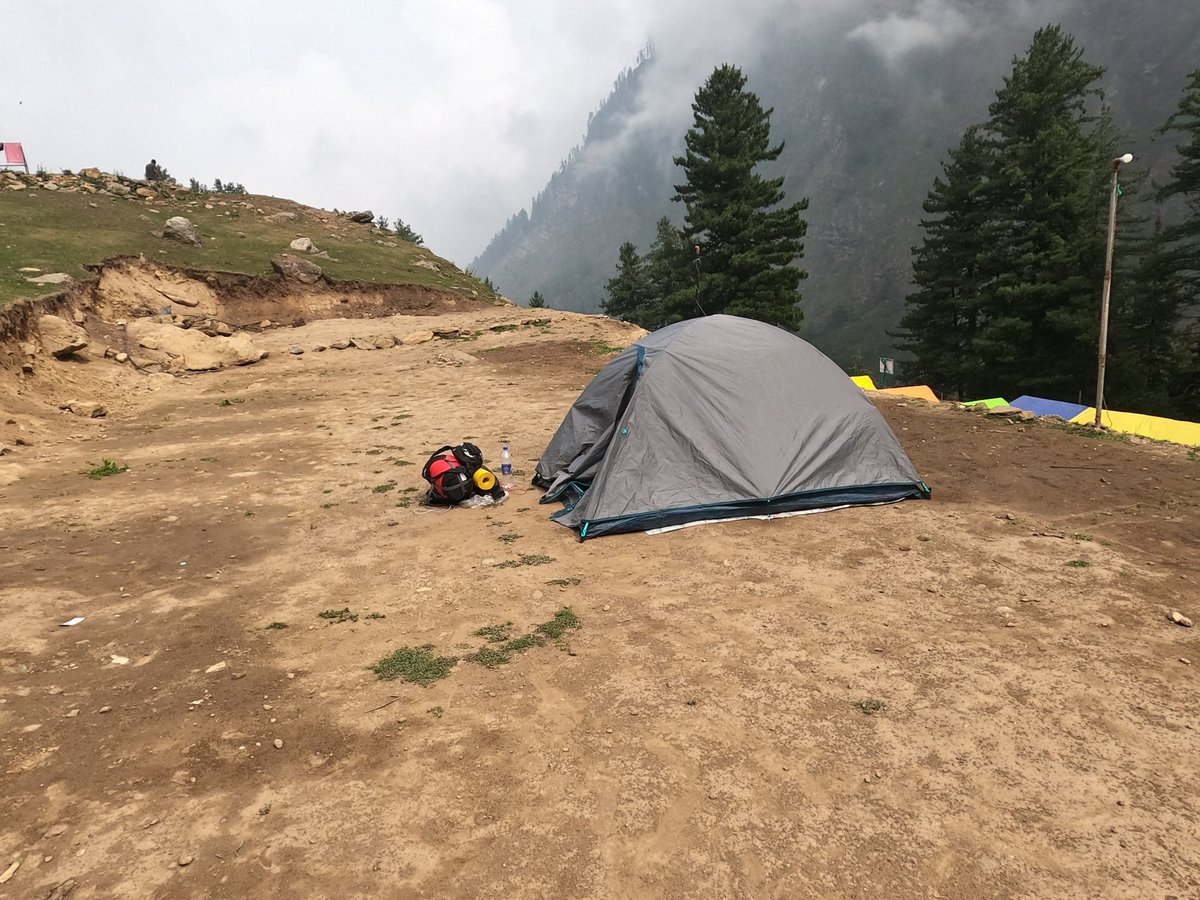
x=59, y=337
x=181, y=229
x=89, y=409
x=417, y=337
x=192, y=350
x=366, y=217
x=294, y=268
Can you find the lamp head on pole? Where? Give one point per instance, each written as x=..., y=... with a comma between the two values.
x=1127, y=158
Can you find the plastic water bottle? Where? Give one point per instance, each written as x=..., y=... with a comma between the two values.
x=506, y=479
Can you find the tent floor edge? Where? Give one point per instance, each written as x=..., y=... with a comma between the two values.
x=811, y=500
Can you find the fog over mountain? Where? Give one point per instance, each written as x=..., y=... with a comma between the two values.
x=869, y=97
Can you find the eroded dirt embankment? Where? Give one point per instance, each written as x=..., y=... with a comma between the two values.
x=126, y=288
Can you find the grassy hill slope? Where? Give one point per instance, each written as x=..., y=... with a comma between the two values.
x=68, y=229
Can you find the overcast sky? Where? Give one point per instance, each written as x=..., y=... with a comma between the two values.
x=450, y=114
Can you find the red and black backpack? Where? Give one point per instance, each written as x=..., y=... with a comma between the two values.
x=450, y=472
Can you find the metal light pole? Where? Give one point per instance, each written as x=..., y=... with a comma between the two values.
x=1112, y=230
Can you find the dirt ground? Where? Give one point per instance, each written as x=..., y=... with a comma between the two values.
x=979, y=696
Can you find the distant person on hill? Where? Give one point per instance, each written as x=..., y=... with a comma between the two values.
x=153, y=171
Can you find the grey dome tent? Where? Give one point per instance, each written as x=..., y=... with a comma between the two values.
x=716, y=418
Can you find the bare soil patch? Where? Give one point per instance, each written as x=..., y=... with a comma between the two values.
x=979, y=696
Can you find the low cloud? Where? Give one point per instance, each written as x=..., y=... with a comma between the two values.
x=933, y=25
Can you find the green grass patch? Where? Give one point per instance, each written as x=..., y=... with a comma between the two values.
x=495, y=634
x=488, y=657
x=525, y=560
x=277, y=626
x=521, y=644
x=1082, y=537
x=563, y=582
x=871, y=706
x=564, y=620
x=376, y=615
x=384, y=488
x=417, y=665
x=1078, y=563
x=339, y=615
x=603, y=348
x=510, y=537
x=106, y=468
x=436, y=711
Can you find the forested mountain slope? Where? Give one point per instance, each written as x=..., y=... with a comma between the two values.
x=868, y=101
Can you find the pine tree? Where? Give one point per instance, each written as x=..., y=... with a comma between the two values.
x=747, y=241
x=671, y=281
x=1174, y=260
x=1146, y=352
x=1185, y=185
x=1050, y=198
x=629, y=293
x=943, y=315
x=405, y=233
x=537, y=301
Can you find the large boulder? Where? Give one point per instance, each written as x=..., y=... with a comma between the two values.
x=178, y=228
x=416, y=337
x=89, y=409
x=366, y=217
x=304, y=245
x=294, y=268
x=59, y=337
x=193, y=350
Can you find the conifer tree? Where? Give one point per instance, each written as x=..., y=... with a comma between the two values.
x=747, y=241
x=1009, y=273
x=1146, y=350
x=405, y=232
x=1050, y=199
x=943, y=315
x=1174, y=261
x=629, y=293
x=1185, y=185
x=671, y=282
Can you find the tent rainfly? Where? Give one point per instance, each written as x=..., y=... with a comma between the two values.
x=717, y=418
